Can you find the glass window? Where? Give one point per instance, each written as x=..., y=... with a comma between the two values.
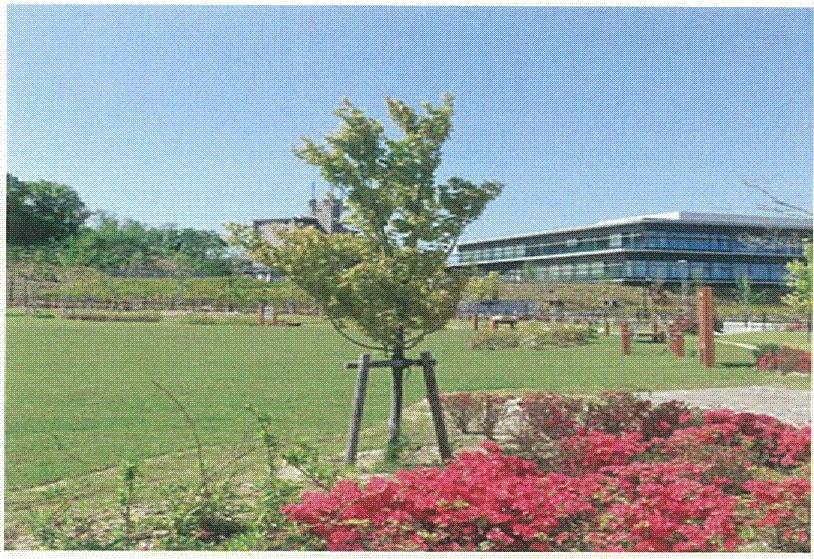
x=721, y=271
x=658, y=270
x=614, y=270
x=759, y=272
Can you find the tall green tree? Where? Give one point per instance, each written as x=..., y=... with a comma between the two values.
x=41, y=212
x=388, y=281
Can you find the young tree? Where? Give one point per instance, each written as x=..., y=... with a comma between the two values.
x=387, y=281
x=747, y=296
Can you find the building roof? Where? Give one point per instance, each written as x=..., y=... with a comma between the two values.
x=694, y=218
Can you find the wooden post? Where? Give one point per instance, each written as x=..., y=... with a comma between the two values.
x=706, y=325
x=435, y=406
x=624, y=329
x=607, y=327
x=358, y=408
x=475, y=318
x=679, y=345
x=261, y=314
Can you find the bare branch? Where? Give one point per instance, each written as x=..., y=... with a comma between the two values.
x=342, y=333
x=777, y=201
x=193, y=427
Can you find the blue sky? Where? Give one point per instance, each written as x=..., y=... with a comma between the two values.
x=188, y=115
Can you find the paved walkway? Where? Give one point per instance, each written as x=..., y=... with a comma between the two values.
x=793, y=406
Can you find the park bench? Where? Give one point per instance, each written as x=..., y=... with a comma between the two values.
x=655, y=337
x=496, y=321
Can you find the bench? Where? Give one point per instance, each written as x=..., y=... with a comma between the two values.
x=655, y=337
x=495, y=321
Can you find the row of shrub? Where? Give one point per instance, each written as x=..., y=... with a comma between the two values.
x=533, y=336
x=112, y=316
x=613, y=474
x=204, y=319
x=774, y=357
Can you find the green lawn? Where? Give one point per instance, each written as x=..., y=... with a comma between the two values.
x=88, y=385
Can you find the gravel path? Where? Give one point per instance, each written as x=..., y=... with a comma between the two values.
x=790, y=405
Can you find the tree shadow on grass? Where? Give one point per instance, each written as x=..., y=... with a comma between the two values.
x=736, y=364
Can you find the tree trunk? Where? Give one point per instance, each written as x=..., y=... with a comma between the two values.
x=394, y=425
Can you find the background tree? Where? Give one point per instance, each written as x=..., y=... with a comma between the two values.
x=485, y=288
x=801, y=283
x=746, y=295
x=389, y=280
x=41, y=211
x=131, y=247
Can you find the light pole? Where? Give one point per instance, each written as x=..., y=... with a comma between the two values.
x=685, y=292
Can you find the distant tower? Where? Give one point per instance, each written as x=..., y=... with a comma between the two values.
x=327, y=211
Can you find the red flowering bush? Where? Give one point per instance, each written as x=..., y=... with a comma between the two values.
x=589, y=451
x=486, y=500
x=551, y=415
x=780, y=512
x=619, y=412
x=783, y=358
x=479, y=501
x=769, y=440
x=665, y=510
x=621, y=476
x=793, y=447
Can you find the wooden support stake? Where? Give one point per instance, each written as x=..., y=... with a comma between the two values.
x=435, y=406
x=358, y=408
x=261, y=314
x=706, y=325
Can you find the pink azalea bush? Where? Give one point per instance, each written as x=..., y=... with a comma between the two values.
x=623, y=477
x=783, y=358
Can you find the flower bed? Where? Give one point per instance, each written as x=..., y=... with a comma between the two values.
x=616, y=474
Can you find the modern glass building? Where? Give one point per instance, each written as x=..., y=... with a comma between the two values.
x=669, y=247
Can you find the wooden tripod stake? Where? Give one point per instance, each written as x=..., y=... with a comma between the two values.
x=364, y=365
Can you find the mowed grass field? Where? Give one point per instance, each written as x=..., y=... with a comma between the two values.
x=79, y=396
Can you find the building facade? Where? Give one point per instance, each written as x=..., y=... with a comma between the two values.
x=670, y=247
x=325, y=216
